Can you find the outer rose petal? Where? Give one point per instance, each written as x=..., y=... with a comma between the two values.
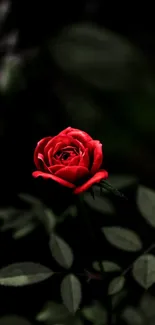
x=102, y=174
x=72, y=173
x=40, y=149
x=97, y=156
x=53, y=177
x=77, y=134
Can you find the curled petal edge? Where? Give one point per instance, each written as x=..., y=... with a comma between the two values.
x=53, y=177
x=101, y=174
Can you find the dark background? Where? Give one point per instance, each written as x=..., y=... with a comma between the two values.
x=72, y=65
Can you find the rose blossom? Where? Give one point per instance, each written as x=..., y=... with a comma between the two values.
x=71, y=158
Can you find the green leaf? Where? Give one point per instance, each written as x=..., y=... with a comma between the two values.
x=146, y=204
x=123, y=238
x=116, y=285
x=116, y=299
x=71, y=292
x=61, y=251
x=73, y=320
x=90, y=53
x=21, y=274
x=147, y=306
x=122, y=181
x=29, y=199
x=108, y=266
x=95, y=313
x=144, y=270
x=24, y=231
x=14, y=320
x=53, y=313
x=100, y=204
x=11, y=77
x=132, y=316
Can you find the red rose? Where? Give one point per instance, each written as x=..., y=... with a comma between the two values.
x=71, y=158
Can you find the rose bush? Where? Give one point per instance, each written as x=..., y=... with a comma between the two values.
x=71, y=158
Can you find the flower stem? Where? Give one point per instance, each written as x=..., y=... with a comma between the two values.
x=85, y=219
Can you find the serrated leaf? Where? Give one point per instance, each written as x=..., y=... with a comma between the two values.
x=146, y=204
x=14, y=320
x=123, y=238
x=100, y=203
x=132, y=316
x=144, y=270
x=71, y=292
x=21, y=274
x=116, y=285
x=108, y=266
x=53, y=313
x=95, y=313
x=24, y=231
x=61, y=251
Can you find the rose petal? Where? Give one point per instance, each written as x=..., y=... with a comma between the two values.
x=97, y=153
x=43, y=165
x=102, y=174
x=65, y=131
x=80, y=135
x=55, y=168
x=72, y=173
x=84, y=159
x=74, y=161
x=53, y=177
x=40, y=149
x=63, y=140
x=76, y=133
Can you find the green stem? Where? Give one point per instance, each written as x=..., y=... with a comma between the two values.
x=83, y=215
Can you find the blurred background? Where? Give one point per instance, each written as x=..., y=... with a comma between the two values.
x=72, y=65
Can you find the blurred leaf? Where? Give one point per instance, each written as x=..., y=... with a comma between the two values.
x=53, y=313
x=71, y=292
x=24, y=231
x=61, y=251
x=29, y=199
x=18, y=220
x=13, y=320
x=116, y=300
x=144, y=270
x=50, y=219
x=116, y=285
x=98, y=56
x=100, y=204
x=73, y=320
x=146, y=204
x=10, y=40
x=108, y=266
x=132, y=316
x=122, y=238
x=7, y=213
x=95, y=313
x=4, y=9
x=122, y=181
x=11, y=78
x=21, y=274
x=147, y=305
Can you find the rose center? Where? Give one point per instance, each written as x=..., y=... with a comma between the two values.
x=67, y=153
